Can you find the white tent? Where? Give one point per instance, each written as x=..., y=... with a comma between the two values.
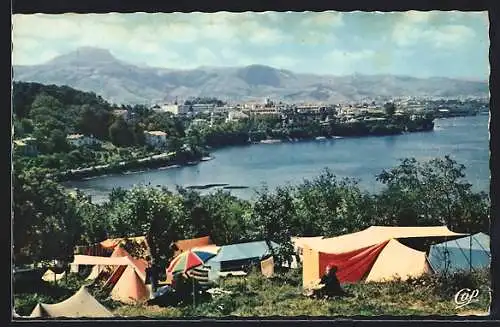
x=80, y=305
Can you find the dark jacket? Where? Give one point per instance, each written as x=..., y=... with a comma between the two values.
x=332, y=285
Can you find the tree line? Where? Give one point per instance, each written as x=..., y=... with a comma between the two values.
x=49, y=223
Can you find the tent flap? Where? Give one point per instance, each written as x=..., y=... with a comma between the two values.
x=352, y=266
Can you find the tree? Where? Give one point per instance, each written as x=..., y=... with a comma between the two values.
x=390, y=109
x=433, y=192
x=150, y=212
x=46, y=221
x=120, y=133
x=272, y=214
x=58, y=141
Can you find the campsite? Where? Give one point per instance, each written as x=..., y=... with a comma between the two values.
x=388, y=270
x=322, y=247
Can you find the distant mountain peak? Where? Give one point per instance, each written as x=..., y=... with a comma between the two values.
x=98, y=70
x=85, y=54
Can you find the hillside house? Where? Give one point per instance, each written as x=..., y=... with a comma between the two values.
x=27, y=146
x=81, y=140
x=121, y=113
x=156, y=139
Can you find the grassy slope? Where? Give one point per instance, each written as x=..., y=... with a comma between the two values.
x=282, y=296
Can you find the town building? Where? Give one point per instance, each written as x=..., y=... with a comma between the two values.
x=81, y=140
x=176, y=109
x=202, y=108
x=236, y=115
x=121, y=113
x=260, y=110
x=199, y=122
x=156, y=139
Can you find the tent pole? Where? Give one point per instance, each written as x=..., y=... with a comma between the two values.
x=470, y=254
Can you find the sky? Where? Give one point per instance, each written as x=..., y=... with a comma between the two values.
x=422, y=44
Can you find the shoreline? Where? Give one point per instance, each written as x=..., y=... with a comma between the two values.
x=164, y=162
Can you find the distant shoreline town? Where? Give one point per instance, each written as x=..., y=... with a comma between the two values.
x=182, y=133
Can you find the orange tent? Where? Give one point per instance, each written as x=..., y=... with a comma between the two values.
x=372, y=254
x=130, y=288
x=114, y=242
x=184, y=245
x=139, y=264
x=110, y=243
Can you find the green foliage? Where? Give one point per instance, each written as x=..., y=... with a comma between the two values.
x=46, y=222
x=390, y=109
x=431, y=193
x=120, y=133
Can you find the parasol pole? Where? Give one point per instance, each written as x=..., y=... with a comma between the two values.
x=194, y=296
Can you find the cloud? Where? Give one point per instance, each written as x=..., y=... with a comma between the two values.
x=206, y=57
x=450, y=35
x=304, y=41
x=350, y=56
x=26, y=58
x=345, y=62
x=326, y=18
x=284, y=62
x=432, y=28
x=416, y=17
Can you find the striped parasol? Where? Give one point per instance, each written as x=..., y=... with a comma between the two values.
x=190, y=259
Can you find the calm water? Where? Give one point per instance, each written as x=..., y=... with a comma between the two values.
x=465, y=139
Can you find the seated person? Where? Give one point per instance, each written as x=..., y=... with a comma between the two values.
x=182, y=287
x=331, y=283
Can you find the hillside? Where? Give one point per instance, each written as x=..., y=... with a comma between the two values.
x=97, y=70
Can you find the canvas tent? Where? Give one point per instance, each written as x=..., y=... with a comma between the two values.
x=112, y=243
x=373, y=254
x=81, y=305
x=300, y=242
x=235, y=256
x=99, y=263
x=50, y=276
x=188, y=244
x=130, y=287
x=463, y=254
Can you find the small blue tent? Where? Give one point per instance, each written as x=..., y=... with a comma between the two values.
x=239, y=256
x=463, y=254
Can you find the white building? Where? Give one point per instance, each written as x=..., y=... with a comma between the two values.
x=236, y=115
x=176, y=109
x=121, y=113
x=81, y=140
x=155, y=139
x=223, y=109
x=202, y=108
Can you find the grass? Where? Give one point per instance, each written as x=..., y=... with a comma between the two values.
x=255, y=295
x=281, y=295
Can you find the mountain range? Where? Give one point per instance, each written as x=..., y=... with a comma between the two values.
x=97, y=70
